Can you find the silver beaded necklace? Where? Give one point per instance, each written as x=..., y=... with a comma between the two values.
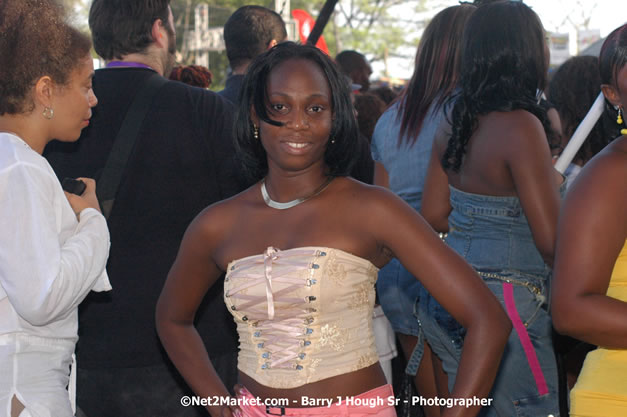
x=289, y=204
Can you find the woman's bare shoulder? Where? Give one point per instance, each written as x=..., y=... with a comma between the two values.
x=365, y=198
x=611, y=162
x=219, y=217
x=357, y=189
x=602, y=181
x=618, y=147
x=518, y=135
x=518, y=123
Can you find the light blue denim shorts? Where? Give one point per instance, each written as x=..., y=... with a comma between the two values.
x=398, y=292
x=527, y=382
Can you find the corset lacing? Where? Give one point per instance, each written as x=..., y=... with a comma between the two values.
x=280, y=336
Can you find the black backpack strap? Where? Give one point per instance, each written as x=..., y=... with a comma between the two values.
x=124, y=142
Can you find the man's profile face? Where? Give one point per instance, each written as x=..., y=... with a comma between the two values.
x=171, y=52
x=362, y=75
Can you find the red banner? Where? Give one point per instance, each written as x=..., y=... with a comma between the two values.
x=305, y=25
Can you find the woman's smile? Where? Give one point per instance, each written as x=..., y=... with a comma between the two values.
x=300, y=99
x=296, y=147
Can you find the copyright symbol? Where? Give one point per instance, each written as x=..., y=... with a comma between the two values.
x=185, y=401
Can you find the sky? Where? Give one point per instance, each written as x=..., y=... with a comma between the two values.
x=605, y=15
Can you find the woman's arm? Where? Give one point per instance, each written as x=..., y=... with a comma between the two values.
x=436, y=205
x=528, y=158
x=45, y=277
x=591, y=233
x=380, y=136
x=456, y=286
x=381, y=177
x=193, y=273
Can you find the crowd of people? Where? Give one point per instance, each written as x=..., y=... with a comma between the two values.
x=232, y=246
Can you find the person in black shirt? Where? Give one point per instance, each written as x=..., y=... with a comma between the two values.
x=250, y=31
x=181, y=162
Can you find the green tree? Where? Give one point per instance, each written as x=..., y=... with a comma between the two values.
x=219, y=12
x=372, y=27
x=363, y=25
x=368, y=26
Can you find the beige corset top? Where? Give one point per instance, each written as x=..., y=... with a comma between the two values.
x=302, y=314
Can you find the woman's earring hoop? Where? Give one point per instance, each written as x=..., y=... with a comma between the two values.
x=48, y=113
x=255, y=132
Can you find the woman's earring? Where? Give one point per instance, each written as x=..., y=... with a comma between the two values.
x=332, y=141
x=48, y=113
x=255, y=132
x=619, y=120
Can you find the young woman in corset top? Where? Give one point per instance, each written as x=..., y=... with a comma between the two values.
x=301, y=249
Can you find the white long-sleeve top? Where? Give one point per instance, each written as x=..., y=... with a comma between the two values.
x=49, y=261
